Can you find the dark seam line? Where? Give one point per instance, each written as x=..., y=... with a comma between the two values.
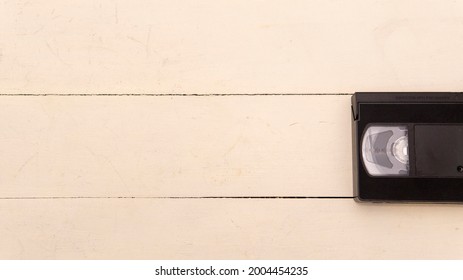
x=179, y=197
x=176, y=94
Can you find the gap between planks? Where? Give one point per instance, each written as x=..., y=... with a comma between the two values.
x=179, y=197
x=176, y=94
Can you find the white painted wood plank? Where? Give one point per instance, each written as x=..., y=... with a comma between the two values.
x=175, y=146
x=227, y=229
x=241, y=46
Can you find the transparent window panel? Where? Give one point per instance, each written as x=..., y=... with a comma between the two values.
x=385, y=150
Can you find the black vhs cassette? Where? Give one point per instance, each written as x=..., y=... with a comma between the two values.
x=408, y=147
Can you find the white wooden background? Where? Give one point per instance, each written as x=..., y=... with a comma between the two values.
x=154, y=129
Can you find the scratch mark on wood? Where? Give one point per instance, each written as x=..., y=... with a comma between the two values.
x=116, y=12
x=25, y=164
x=109, y=162
x=56, y=53
x=147, y=45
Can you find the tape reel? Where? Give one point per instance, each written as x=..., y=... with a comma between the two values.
x=385, y=150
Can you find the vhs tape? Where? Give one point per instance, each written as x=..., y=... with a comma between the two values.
x=408, y=147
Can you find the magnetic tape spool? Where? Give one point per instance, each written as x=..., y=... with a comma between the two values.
x=385, y=150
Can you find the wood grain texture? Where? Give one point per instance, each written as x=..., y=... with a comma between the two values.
x=53, y=148
x=175, y=146
x=241, y=46
x=227, y=229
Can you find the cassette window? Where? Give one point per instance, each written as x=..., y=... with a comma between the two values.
x=385, y=150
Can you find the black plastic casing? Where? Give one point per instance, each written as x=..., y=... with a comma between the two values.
x=437, y=119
